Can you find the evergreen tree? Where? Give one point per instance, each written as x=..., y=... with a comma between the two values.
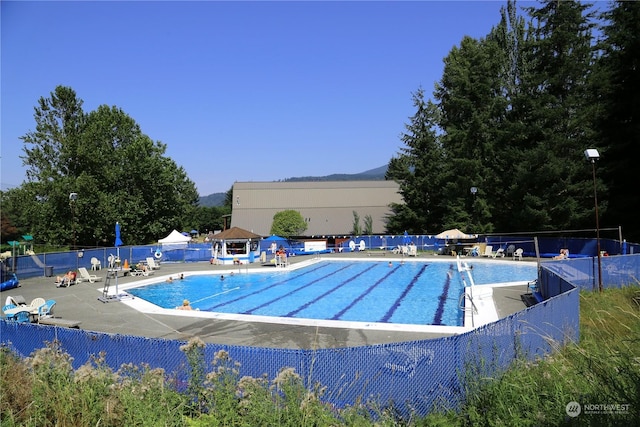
x=551, y=180
x=472, y=104
x=419, y=169
x=617, y=84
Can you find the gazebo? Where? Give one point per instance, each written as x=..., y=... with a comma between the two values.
x=235, y=246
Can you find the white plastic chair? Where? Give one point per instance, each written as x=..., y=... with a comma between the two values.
x=518, y=254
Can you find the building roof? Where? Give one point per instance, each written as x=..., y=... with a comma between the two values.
x=235, y=233
x=327, y=206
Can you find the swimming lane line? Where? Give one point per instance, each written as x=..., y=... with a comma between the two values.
x=437, y=318
x=335, y=288
x=265, y=289
x=402, y=296
x=294, y=291
x=364, y=294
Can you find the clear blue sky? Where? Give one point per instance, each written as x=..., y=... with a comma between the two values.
x=239, y=91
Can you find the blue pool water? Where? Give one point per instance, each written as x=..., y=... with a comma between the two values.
x=410, y=293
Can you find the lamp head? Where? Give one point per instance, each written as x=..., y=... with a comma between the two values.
x=73, y=197
x=591, y=154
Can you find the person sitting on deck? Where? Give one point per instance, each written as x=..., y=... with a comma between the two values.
x=564, y=254
x=66, y=280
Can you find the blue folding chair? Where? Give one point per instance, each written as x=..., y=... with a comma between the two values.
x=46, y=309
x=22, y=317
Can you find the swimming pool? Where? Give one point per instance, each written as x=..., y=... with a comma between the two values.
x=409, y=293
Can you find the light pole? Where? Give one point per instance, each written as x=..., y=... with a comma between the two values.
x=473, y=190
x=592, y=155
x=72, y=204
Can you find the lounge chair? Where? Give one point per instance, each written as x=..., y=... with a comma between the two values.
x=151, y=263
x=66, y=281
x=9, y=307
x=488, y=251
x=85, y=276
x=19, y=313
x=22, y=311
x=499, y=253
x=518, y=254
x=140, y=272
x=15, y=300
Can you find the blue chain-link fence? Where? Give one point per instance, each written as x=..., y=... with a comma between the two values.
x=413, y=376
x=57, y=263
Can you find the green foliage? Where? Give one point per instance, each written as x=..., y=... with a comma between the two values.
x=357, y=230
x=419, y=168
x=368, y=224
x=288, y=223
x=512, y=116
x=119, y=174
x=615, y=84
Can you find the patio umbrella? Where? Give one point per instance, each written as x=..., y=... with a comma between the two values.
x=118, y=239
x=454, y=234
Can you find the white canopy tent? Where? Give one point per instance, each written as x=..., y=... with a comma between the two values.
x=175, y=240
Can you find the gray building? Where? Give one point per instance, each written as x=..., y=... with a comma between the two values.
x=327, y=206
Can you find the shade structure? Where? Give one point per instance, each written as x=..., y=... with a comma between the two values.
x=454, y=234
x=235, y=233
x=175, y=240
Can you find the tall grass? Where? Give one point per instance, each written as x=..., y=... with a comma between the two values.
x=603, y=369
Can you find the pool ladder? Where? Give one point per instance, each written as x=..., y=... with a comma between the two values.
x=462, y=268
x=464, y=308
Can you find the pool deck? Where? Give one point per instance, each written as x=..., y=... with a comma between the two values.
x=80, y=303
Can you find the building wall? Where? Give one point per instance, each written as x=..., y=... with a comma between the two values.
x=327, y=206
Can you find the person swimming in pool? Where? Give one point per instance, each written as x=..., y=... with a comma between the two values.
x=185, y=305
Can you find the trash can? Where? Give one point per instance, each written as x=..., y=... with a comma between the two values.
x=48, y=271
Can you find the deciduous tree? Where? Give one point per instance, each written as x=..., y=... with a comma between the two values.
x=118, y=172
x=288, y=224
